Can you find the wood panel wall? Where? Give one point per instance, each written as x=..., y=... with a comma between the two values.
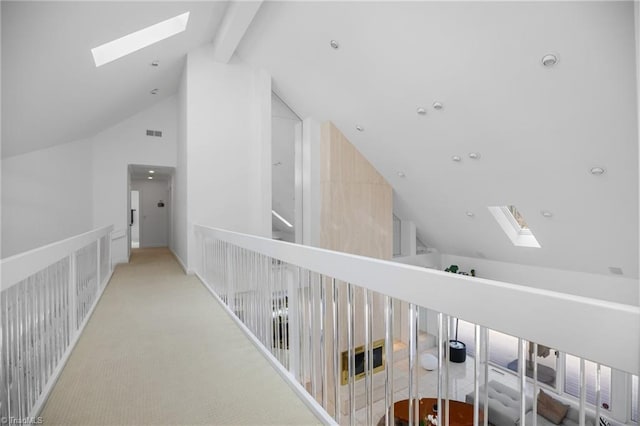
x=356, y=201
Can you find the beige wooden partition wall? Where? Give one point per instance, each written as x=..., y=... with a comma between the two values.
x=356, y=216
x=356, y=205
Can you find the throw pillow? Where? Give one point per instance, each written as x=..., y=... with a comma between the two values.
x=551, y=409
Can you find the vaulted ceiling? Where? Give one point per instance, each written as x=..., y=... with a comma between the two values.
x=53, y=93
x=538, y=130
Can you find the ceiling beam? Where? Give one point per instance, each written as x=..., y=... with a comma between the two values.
x=234, y=25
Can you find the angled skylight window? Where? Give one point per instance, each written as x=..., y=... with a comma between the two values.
x=514, y=225
x=130, y=43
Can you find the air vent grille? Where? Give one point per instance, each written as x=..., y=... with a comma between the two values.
x=156, y=133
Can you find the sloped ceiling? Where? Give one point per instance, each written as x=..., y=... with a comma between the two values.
x=538, y=130
x=53, y=93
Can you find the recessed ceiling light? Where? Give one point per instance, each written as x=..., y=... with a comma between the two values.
x=597, y=171
x=546, y=213
x=150, y=177
x=154, y=92
x=155, y=63
x=334, y=44
x=549, y=60
x=359, y=128
x=152, y=171
x=421, y=111
x=456, y=158
x=438, y=106
x=474, y=155
x=130, y=43
x=277, y=163
x=470, y=214
x=401, y=174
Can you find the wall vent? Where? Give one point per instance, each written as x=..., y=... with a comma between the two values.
x=156, y=133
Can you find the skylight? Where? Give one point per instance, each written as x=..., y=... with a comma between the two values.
x=135, y=41
x=514, y=225
x=518, y=217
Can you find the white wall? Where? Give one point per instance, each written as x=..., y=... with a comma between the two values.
x=228, y=150
x=123, y=144
x=46, y=196
x=605, y=287
x=425, y=260
x=179, y=244
x=153, y=218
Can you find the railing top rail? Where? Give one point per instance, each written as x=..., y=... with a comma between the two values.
x=20, y=266
x=586, y=327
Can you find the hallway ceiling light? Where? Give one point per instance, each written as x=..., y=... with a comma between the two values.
x=597, y=171
x=282, y=219
x=549, y=60
x=474, y=155
x=359, y=128
x=154, y=92
x=150, y=177
x=334, y=44
x=456, y=158
x=546, y=213
x=155, y=63
x=135, y=41
x=421, y=111
x=152, y=171
x=438, y=106
x=470, y=214
x=401, y=174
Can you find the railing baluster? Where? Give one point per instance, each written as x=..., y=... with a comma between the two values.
x=441, y=343
x=323, y=357
x=535, y=385
x=522, y=373
x=336, y=350
x=368, y=300
x=583, y=392
x=350, y=354
x=388, y=344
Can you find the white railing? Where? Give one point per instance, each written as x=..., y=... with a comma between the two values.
x=311, y=309
x=47, y=295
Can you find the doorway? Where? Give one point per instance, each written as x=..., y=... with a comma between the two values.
x=150, y=206
x=134, y=219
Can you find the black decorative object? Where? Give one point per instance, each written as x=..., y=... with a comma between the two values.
x=457, y=349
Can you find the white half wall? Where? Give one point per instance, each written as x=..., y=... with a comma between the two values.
x=123, y=144
x=46, y=196
x=605, y=287
x=228, y=149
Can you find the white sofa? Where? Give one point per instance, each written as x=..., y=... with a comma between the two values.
x=504, y=408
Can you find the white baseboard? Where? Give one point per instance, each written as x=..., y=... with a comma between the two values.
x=42, y=399
x=184, y=267
x=308, y=400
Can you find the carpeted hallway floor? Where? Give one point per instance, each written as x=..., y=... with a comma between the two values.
x=160, y=350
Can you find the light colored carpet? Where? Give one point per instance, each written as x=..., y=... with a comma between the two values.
x=160, y=350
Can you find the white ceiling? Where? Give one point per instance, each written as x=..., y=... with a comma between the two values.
x=539, y=130
x=53, y=93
